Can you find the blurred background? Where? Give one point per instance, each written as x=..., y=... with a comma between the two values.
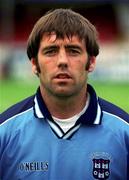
x=111, y=18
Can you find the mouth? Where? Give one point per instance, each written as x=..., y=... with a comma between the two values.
x=63, y=76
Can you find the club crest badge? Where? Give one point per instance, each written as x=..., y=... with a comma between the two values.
x=101, y=168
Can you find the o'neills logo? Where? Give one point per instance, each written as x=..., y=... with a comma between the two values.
x=33, y=166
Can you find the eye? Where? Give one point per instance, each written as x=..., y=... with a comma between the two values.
x=73, y=52
x=50, y=52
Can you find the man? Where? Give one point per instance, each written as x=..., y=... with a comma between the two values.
x=64, y=131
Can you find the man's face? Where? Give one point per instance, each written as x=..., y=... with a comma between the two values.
x=62, y=64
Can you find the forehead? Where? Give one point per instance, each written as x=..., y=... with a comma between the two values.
x=53, y=39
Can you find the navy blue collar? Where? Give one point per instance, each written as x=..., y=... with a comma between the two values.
x=92, y=114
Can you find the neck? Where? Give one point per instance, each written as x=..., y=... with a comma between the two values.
x=67, y=107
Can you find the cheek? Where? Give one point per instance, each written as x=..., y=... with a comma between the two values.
x=82, y=63
x=81, y=68
x=47, y=64
x=46, y=71
x=80, y=72
x=43, y=66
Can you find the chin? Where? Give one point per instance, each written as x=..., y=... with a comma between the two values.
x=63, y=93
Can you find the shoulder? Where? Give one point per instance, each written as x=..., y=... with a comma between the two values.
x=113, y=110
x=16, y=109
x=115, y=122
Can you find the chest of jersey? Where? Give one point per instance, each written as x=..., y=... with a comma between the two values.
x=40, y=154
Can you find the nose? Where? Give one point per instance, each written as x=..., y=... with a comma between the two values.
x=62, y=61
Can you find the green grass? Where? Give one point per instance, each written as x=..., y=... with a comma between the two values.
x=12, y=91
x=117, y=93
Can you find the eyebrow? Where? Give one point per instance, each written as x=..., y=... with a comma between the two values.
x=69, y=46
x=73, y=47
x=50, y=47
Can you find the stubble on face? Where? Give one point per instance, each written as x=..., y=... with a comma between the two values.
x=63, y=88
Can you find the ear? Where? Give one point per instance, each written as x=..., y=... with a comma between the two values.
x=92, y=63
x=33, y=65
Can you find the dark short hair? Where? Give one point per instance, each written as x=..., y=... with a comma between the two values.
x=64, y=22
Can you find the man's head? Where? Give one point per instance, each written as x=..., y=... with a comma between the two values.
x=64, y=22
x=62, y=48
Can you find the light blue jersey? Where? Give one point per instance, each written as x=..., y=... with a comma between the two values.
x=34, y=147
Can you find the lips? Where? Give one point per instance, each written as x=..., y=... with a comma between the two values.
x=63, y=76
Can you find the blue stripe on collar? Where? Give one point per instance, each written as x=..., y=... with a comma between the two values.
x=41, y=110
x=92, y=115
